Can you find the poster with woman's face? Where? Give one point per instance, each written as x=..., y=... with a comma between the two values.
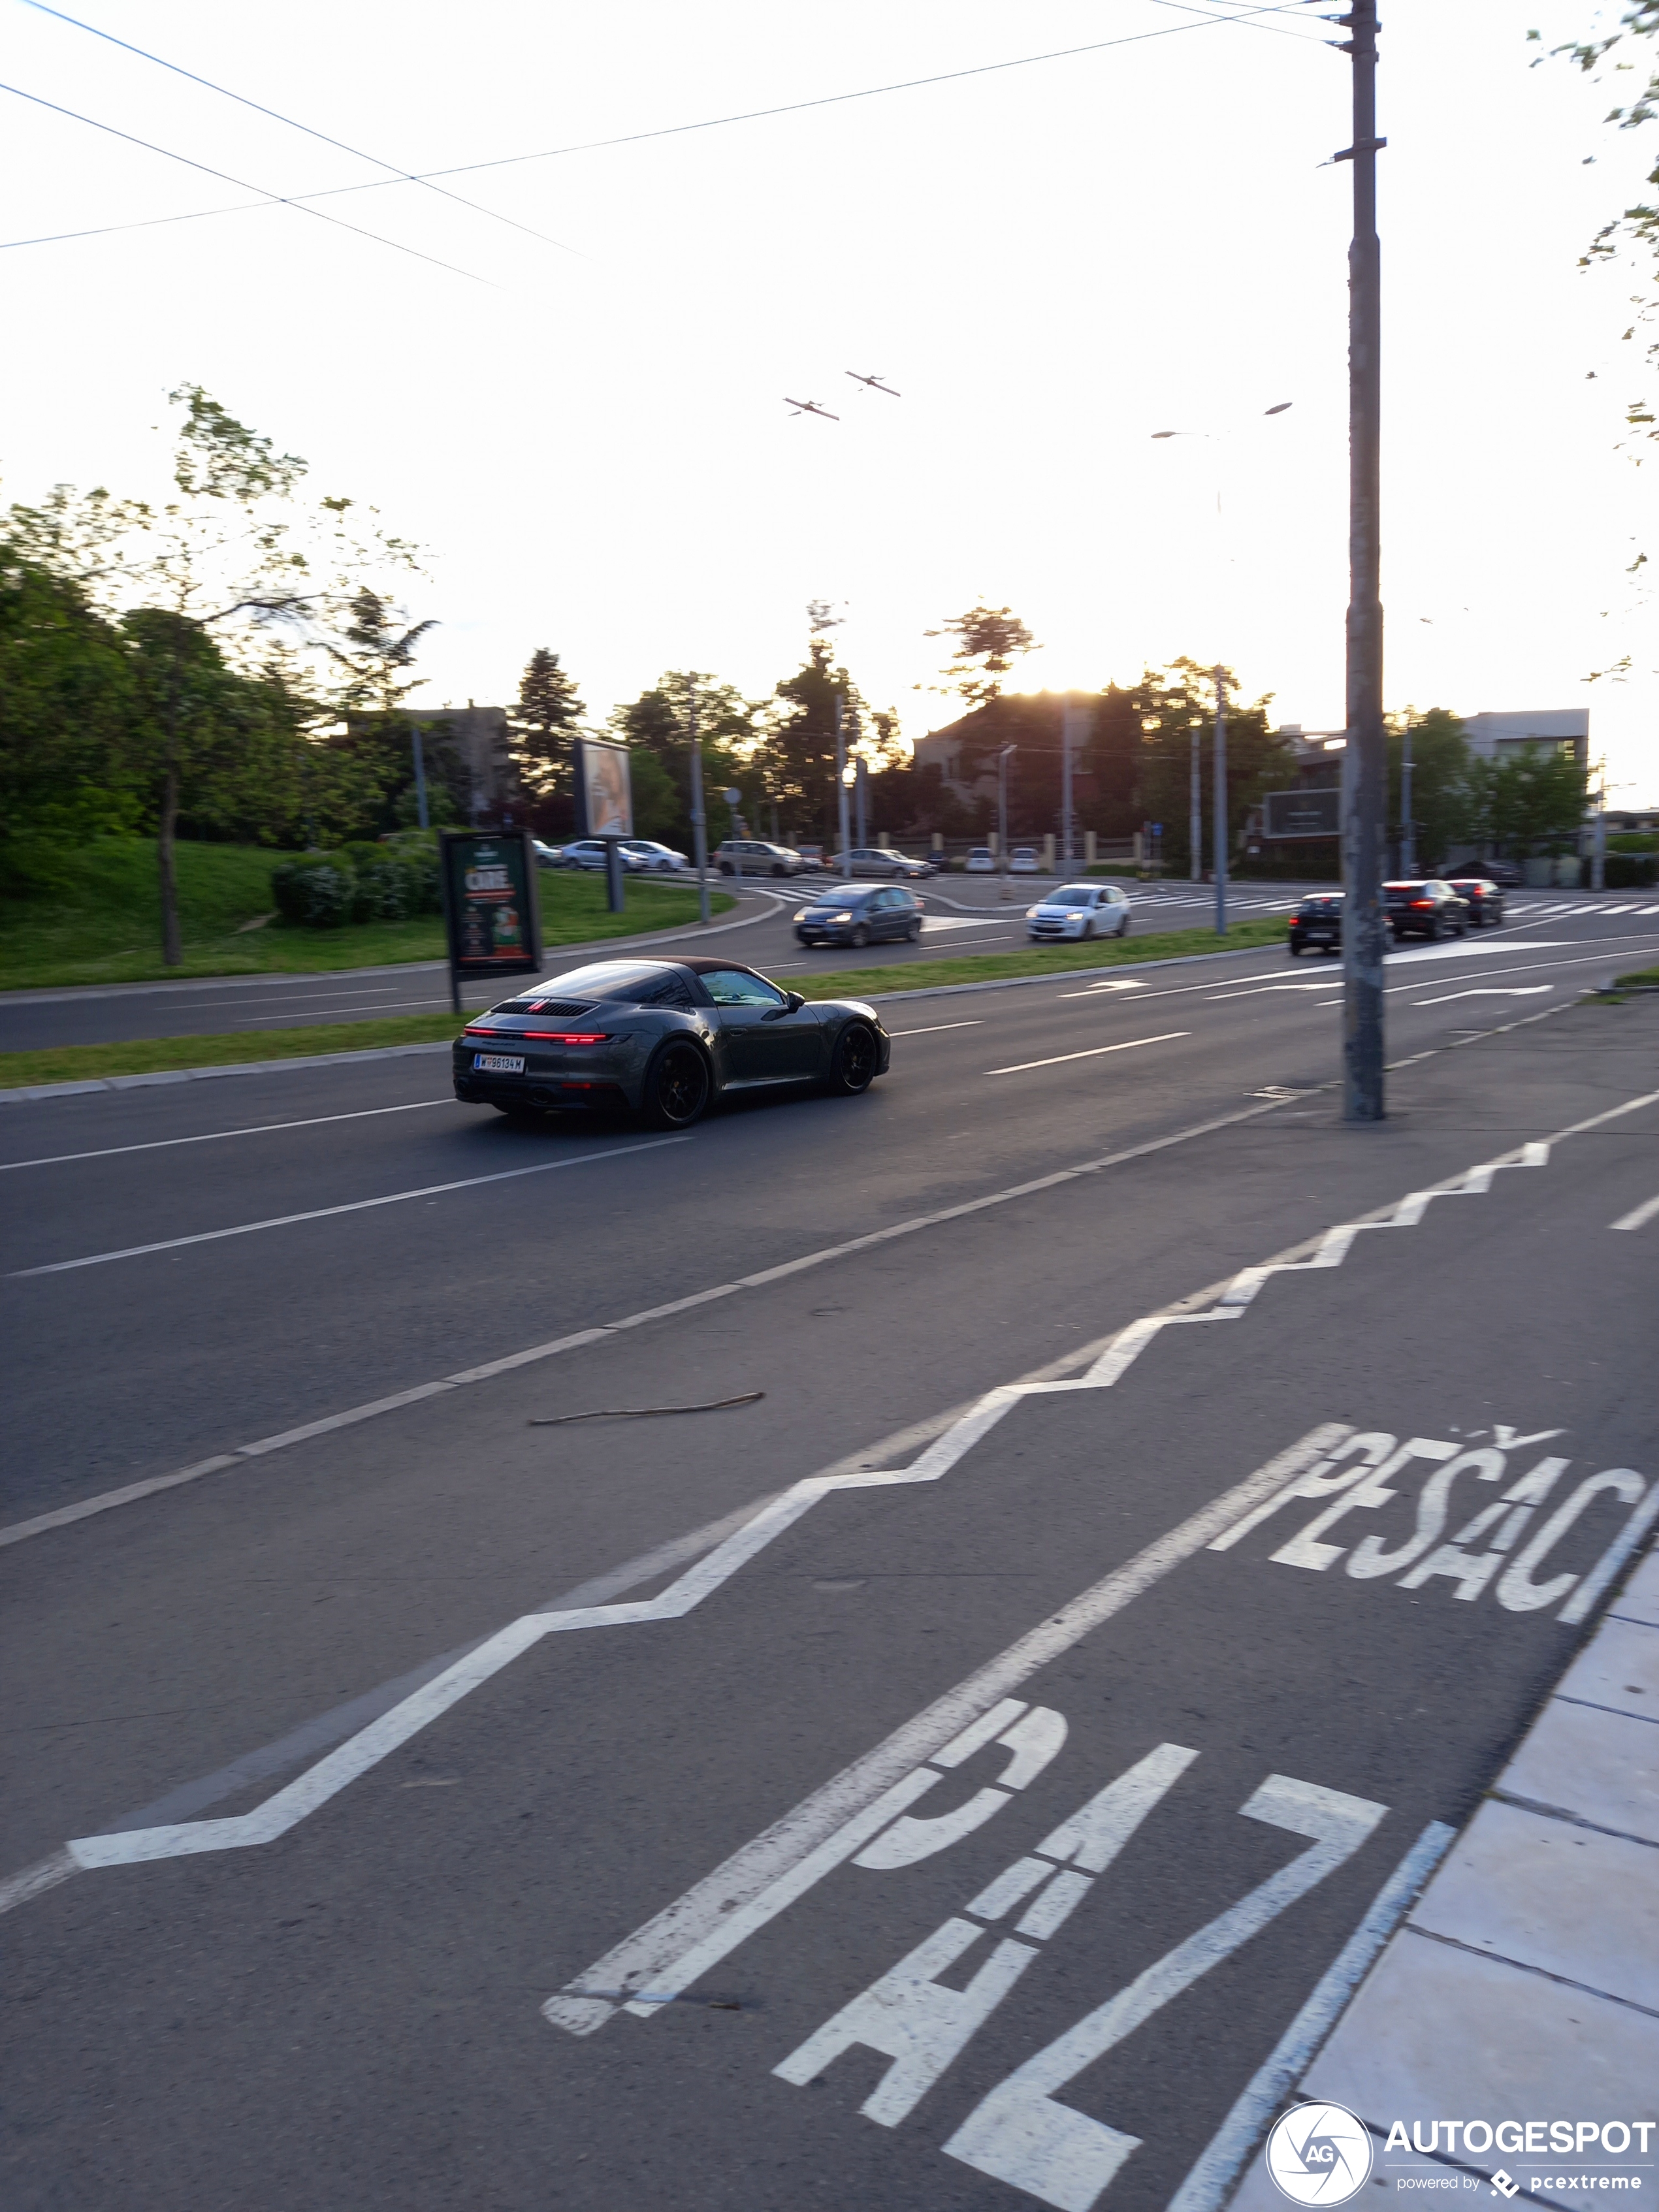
x=607, y=794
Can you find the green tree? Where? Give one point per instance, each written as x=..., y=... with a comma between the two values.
x=988, y=641
x=797, y=756
x=543, y=725
x=237, y=557
x=1170, y=703
x=65, y=701
x=658, y=724
x=1527, y=798
x=1441, y=801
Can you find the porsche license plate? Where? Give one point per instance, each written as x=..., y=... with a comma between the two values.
x=498, y=1063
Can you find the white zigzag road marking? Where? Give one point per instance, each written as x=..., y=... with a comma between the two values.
x=321, y=1783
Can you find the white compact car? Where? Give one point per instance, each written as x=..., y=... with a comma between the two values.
x=662, y=860
x=1023, y=862
x=982, y=861
x=1080, y=910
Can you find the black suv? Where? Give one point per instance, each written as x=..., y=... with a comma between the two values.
x=1317, y=920
x=1430, y=909
x=1484, y=898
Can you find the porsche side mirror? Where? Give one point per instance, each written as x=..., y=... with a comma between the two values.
x=793, y=1002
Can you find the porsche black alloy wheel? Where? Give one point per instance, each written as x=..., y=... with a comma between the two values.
x=853, y=1066
x=677, y=1088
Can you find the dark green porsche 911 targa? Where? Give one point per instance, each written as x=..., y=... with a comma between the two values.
x=664, y=1038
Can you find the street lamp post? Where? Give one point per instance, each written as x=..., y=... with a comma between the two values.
x=699, y=818
x=1221, y=802
x=1407, y=832
x=841, y=793
x=1195, y=806
x=1003, y=759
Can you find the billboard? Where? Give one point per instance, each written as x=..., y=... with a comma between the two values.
x=492, y=908
x=605, y=792
x=1301, y=813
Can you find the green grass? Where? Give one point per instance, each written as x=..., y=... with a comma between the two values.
x=149, y=1055
x=1643, y=979
x=103, y=923
x=76, y=1063
x=1041, y=960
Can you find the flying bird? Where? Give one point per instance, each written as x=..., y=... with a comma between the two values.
x=875, y=384
x=810, y=407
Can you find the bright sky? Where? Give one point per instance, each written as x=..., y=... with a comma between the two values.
x=1049, y=262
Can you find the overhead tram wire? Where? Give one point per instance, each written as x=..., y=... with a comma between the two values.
x=398, y=175
x=269, y=199
x=1245, y=16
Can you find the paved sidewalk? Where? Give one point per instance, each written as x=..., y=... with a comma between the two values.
x=1523, y=1986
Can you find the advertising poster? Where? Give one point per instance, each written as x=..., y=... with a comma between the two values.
x=490, y=902
x=605, y=793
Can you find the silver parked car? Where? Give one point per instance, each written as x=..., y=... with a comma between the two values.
x=881, y=861
x=753, y=856
x=662, y=860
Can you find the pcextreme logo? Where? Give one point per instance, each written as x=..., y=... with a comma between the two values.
x=1319, y=2155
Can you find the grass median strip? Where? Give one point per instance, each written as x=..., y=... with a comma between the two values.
x=81, y=1063
x=1039, y=960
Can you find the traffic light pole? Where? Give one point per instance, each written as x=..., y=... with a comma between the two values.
x=1365, y=783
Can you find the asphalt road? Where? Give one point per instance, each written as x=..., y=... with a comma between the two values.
x=339, y=2001
x=964, y=915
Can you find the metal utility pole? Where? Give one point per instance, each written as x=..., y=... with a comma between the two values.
x=1221, y=802
x=861, y=797
x=1195, y=811
x=1003, y=758
x=1407, y=833
x=420, y=777
x=1599, y=835
x=699, y=818
x=841, y=793
x=1365, y=784
x=1065, y=721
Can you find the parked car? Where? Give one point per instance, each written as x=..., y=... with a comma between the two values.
x=981, y=861
x=1023, y=862
x=1508, y=875
x=589, y=852
x=662, y=860
x=548, y=856
x=880, y=860
x=753, y=856
x=1317, y=920
x=1486, y=900
x=1428, y=909
x=663, y=1038
x=848, y=914
x=1080, y=910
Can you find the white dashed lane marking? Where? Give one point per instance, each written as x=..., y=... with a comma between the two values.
x=218, y=1136
x=1091, y=1052
x=355, y=1206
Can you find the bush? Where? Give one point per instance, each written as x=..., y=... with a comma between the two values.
x=318, y=891
x=1630, y=871
x=360, y=882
